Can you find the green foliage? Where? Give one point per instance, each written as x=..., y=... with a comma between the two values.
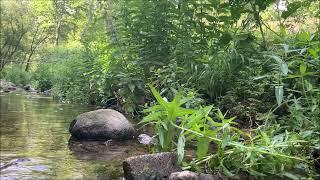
x=265, y=152
x=16, y=75
x=164, y=115
x=43, y=75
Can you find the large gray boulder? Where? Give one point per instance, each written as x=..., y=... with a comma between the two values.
x=151, y=166
x=102, y=124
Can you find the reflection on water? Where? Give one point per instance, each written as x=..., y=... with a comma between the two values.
x=35, y=129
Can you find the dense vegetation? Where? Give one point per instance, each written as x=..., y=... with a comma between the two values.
x=256, y=60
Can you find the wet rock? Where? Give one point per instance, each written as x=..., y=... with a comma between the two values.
x=102, y=124
x=203, y=176
x=146, y=139
x=4, y=83
x=47, y=92
x=9, y=89
x=6, y=90
x=184, y=175
x=29, y=88
x=7, y=86
x=150, y=166
x=14, y=162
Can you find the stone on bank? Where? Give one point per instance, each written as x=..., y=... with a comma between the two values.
x=150, y=166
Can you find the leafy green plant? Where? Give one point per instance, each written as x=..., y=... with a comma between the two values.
x=261, y=153
x=164, y=115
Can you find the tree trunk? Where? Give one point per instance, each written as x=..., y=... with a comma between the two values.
x=58, y=23
x=109, y=22
x=258, y=22
x=58, y=29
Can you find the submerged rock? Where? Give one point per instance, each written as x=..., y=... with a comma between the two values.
x=150, y=166
x=13, y=163
x=102, y=124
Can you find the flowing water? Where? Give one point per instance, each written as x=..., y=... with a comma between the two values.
x=36, y=144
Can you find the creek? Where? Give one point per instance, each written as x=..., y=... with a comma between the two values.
x=36, y=144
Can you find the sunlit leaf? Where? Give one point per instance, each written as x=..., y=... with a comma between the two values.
x=303, y=68
x=202, y=147
x=284, y=68
x=279, y=94
x=161, y=136
x=291, y=176
x=164, y=125
x=180, y=147
x=155, y=93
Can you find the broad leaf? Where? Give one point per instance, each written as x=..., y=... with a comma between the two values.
x=158, y=97
x=303, y=68
x=202, y=147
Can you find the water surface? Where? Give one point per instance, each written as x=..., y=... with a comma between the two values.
x=35, y=139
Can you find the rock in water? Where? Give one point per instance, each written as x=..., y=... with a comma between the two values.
x=13, y=163
x=150, y=166
x=102, y=124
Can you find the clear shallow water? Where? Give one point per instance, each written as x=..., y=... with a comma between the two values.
x=36, y=141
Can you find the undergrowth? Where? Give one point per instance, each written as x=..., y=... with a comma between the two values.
x=264, y=151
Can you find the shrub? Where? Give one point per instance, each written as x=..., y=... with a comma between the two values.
x=16, y=74
x=43, y=76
